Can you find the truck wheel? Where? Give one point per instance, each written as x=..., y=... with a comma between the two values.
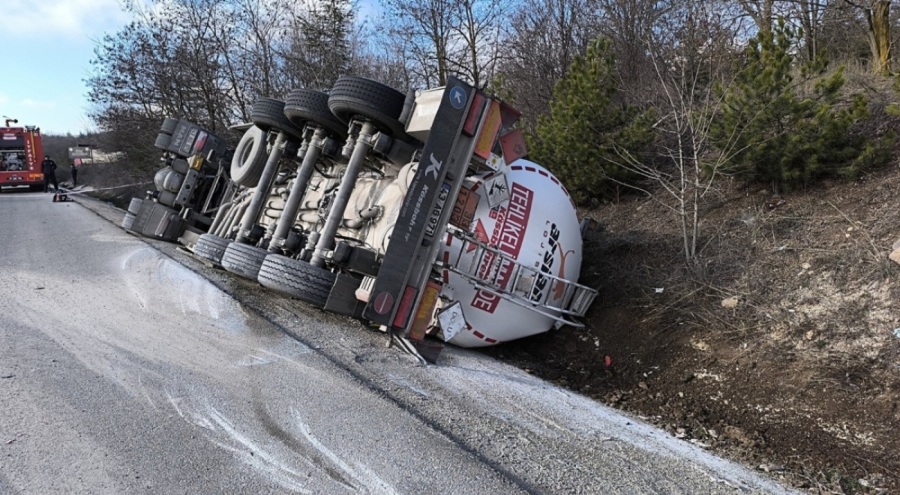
x=297, y=278
x=211, y=248
x=307, y=105
x=249, y=158
x=168, y=126
x=359, y=97
x=162, y=140
x=268, y=114
x=243, y=259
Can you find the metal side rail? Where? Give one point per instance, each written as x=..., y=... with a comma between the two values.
x=492, y=270
x=445, y=158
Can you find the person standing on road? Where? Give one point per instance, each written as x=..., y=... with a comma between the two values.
x=74, y=175
x=48, y=168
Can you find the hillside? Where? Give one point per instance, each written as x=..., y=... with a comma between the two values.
x=778, y=349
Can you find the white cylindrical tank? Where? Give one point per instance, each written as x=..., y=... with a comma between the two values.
x=525, y=212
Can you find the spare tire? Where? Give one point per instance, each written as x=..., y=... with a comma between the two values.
x=249, y=158
x=370, y=100
x=307, y=105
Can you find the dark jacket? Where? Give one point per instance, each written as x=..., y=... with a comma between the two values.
x=48, y=167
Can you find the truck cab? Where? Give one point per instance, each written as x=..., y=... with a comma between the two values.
x=21, y=154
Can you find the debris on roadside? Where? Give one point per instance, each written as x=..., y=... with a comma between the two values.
x=730, y=303
x=768, y=468
x=895, y=256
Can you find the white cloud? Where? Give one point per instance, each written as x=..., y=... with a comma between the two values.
x=70, y=18
x=3, y=98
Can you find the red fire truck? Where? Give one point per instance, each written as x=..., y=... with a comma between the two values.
x=21, y=155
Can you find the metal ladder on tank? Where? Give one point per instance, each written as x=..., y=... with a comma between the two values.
x=487, y=266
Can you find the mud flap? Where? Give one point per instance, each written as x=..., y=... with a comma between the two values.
x=356, y=259
x=342, y=298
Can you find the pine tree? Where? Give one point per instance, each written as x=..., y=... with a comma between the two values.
x=322, y=49
x=582, y=137
x=788, y=130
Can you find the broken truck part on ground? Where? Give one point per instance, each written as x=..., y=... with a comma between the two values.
x=415, y=212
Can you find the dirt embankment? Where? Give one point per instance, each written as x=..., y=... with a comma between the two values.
x=779, y=348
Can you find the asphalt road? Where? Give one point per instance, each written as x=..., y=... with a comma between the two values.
x=128, y=366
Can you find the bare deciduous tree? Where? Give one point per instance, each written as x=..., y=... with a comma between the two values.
x=546, y=35
x=425, y=31
x=202, y=60
x=810, y=13
x=319, y=43
x=479, y=29
x=684, y=172
x=630, y=24
x=761, y=11
x=877, y=14
x=440, y=38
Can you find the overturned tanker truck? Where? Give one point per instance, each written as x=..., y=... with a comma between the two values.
x=415, y=212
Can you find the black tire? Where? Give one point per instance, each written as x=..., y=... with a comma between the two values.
x=249, y=158
x=268, y=115
x=211, y=248
x=307, y=105
x=364, y=98
x=162, y=141
x=168, y=126
x=243, y=259
x=297, y=278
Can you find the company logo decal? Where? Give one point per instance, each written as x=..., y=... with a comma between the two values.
x=508, y=236
x=546, y=267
